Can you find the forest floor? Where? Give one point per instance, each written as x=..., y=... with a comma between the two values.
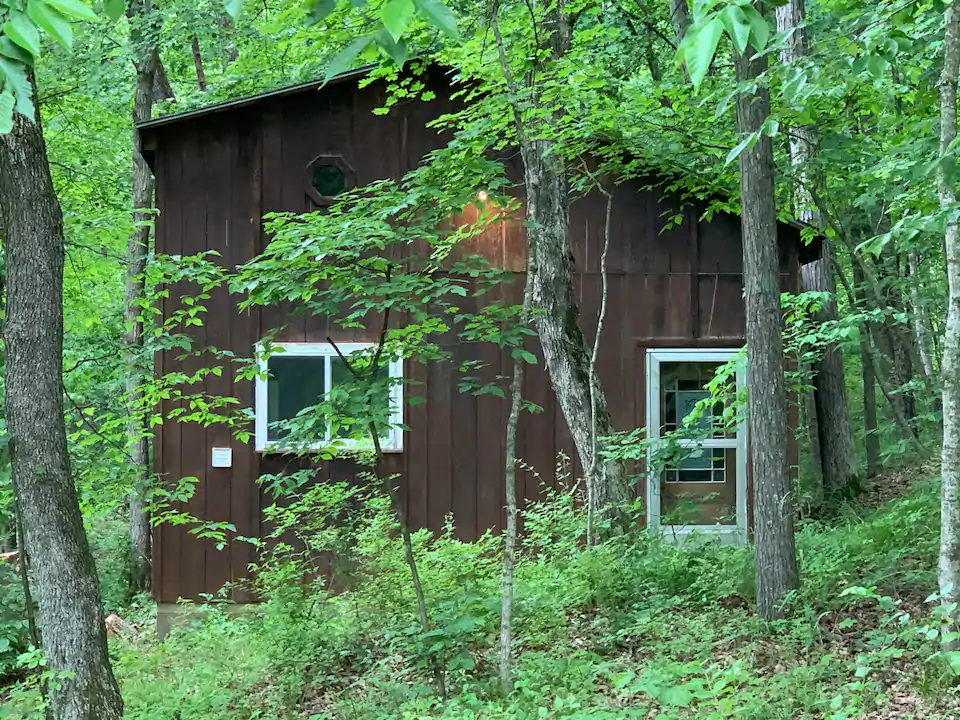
x=632, y=629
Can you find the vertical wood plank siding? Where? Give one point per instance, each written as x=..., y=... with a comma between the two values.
x=676, y=285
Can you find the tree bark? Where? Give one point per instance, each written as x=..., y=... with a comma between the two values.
x=776, y=556
x=871, y=440
x=162, y=90
x=949, y=565
x=143, y=39
x=833, y=427
x=68, y=594
x=198, y=63
x=679, y=18
x=921, y=318
x=552, y=294
x=510, y=486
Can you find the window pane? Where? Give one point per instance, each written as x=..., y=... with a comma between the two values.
x=681, y=388
x=702, y=490
x=329, y=179
x=352, y=397
x=294, y=383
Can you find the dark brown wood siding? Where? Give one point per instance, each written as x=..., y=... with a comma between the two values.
x=668, y=286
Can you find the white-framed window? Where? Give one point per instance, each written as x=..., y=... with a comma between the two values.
x=294, y=377
x=711, y=479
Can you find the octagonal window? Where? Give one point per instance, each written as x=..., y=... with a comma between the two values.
x=326, y=177
x=329, y=180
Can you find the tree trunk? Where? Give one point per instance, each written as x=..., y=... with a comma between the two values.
x=552, y=293
x=229, y=31
x=679, y=18
x=510, y=486
x=834, y=429
x=871, y=440
x=162, y=90
x=949, y=574
x=198, y=63
x=921, y=319
x=68, y=594
x=142, y=38
x=776, y=556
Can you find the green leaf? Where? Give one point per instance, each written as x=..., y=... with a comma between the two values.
x=677, y=696
x=699, y=51
x=758, y=23
x=52, y=21
x=953, y=660
x=344, y=61
x=114, y=9
x=396, y=17
x=73, y=9
x=322, y=8
x=233, y=7
x=15, y=78
x=6, y=111
x=877, y=66
x=23, y=32
x=440, y=16
x=741, y=146
x=10, y=49
x=396, y=50
x=738, y=27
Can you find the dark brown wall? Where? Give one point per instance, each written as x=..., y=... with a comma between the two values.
x=218, y=174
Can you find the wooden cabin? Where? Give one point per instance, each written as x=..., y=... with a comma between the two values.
x=675, y=311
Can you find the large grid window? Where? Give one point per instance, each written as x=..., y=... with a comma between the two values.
x=703, y=486
x=296, y=377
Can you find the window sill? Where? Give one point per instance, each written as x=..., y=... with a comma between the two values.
x=281, y=450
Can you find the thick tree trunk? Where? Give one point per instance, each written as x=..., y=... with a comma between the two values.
x=776, y=556
x=68, y=595
x=557, y=318
x=136, y=258
x=833, y=427
x=837, y=454
x=552, y=294
x=950, y=371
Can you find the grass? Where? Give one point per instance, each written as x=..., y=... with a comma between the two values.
x=628, y=629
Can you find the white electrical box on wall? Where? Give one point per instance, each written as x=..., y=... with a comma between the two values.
x=221, y=457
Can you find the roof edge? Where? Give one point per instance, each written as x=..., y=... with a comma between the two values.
x=253, y=99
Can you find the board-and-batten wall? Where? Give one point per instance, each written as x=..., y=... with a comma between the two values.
x=218, y=174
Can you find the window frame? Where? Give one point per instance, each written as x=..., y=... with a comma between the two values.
x=392, y=443
x=654, y=358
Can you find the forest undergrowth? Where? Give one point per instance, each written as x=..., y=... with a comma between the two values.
x=629, y=628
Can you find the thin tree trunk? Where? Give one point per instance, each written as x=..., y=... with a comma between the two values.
x=949, y=564
x=68, y=594
x=871, y=439
x=813, y=431
x=553, y=297
x=141, y=39
x=833, y=427
x=198, y=63
x=921, y=318
x=230, y=32
x=23, y=564
x=396, y=505
x=510, y=486
x=776, y=555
